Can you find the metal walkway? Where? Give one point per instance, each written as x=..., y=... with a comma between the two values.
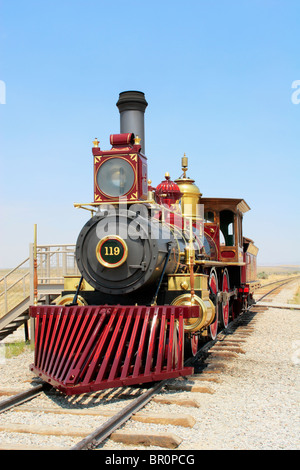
x=17, y=287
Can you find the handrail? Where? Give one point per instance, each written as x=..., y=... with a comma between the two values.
x=14, y=269
x=54, y=261
x=39, y=246
x=15, y=283
x=52, y=246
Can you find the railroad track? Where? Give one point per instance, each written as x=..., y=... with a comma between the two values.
x=266, y=291
x=209, y=363
x=281, y=283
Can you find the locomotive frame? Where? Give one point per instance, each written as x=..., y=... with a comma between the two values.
x=158, y=277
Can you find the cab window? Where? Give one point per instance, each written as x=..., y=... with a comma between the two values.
x=227, y=227
x=209, y=217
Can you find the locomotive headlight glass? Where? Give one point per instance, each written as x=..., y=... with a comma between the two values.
x=115, y=177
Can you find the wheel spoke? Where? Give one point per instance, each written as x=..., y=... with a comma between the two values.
x=225, y=304
x=213, y=284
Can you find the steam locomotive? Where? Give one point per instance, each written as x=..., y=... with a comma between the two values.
x=162, y=269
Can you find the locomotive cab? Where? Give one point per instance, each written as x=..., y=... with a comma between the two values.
x=227, y=214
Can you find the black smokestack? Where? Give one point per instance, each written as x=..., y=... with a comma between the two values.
x=132, y=105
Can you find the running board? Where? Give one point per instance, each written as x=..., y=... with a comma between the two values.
x=81, y=349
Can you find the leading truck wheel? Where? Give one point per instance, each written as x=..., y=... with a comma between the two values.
x=191, y=345
x=213, y=285
x=68, y=299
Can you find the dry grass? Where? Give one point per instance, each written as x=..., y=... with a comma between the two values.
x=282, y=269
x=17, y=348
x=296, y=298
x=268, y=274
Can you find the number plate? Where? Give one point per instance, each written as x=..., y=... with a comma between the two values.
x=111, y=251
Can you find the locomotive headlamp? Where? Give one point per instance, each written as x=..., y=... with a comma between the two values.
x=115, y=177
x=120, y=171
x=111, y=251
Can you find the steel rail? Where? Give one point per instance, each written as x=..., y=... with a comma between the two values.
x=279, y=280
x=275, y=288
x=231, y=326
x=21, y=397
x=105, y=430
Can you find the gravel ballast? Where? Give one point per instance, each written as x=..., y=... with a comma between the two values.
x=255, y=404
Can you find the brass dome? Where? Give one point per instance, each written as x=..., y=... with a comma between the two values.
x=190, y=197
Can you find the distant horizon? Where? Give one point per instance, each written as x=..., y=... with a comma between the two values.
x=292, y=266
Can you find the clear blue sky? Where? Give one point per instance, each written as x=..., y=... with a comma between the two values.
x=217, y=75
